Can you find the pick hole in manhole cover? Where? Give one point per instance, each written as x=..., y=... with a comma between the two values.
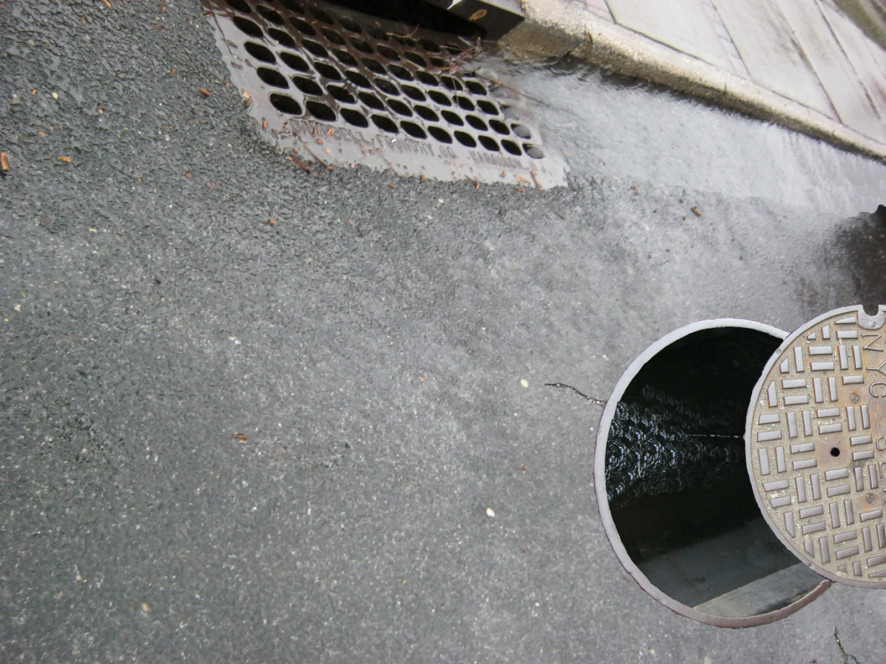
x=345, y=88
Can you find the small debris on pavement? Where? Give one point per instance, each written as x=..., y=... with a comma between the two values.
x=204, y=92
x=67, y=160
x=240, y=437
x=272, y=222
x=490, y=512
x=4, y=162
x=695, y=211
x=524, y=382
x=392, y=186
x=305, y=166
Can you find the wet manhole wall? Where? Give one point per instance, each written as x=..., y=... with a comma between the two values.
x=672, y=485
x=345, y=88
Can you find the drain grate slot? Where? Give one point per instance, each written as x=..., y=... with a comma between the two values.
x=348, y=88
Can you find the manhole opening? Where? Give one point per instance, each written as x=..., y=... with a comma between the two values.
x=308, y=61
x=676, y=476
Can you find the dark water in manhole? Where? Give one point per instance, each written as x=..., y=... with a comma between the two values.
x=677, y=439
x=676, y=478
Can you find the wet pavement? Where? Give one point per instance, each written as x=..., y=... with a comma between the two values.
x=255, y=413
x=818, y=67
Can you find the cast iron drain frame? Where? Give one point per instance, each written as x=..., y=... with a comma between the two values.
x=347, y=88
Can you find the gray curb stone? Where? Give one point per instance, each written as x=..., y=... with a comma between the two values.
x=560, y=27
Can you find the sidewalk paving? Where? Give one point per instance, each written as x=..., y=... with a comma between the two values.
x=805, y=65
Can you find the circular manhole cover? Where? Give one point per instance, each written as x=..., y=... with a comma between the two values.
x=816, y=445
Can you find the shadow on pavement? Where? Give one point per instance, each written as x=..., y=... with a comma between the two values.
x=863, y=241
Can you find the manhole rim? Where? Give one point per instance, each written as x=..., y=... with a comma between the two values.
x=609, y=526
x=749, y=423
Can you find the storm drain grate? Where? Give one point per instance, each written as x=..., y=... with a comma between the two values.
x=350, y=88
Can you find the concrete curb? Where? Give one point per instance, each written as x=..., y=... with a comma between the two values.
x=560, y=27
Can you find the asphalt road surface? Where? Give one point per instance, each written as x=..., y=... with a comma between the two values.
x=328, y=438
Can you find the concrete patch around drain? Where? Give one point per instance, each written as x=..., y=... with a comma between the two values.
x=345, y=88
x=816, y=451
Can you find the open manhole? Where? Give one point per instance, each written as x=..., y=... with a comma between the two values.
x=346, y=88
x=672, y=486
x=672, y=466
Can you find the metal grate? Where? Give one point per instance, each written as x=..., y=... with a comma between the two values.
x=349, y=88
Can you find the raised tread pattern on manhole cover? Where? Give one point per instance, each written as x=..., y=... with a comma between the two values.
x=816, y=445
x=350, y=88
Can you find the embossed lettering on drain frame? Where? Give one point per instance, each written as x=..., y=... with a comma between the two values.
x=816, y=442
x=347, y=89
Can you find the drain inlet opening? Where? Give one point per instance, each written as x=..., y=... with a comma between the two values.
x=416, y=13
